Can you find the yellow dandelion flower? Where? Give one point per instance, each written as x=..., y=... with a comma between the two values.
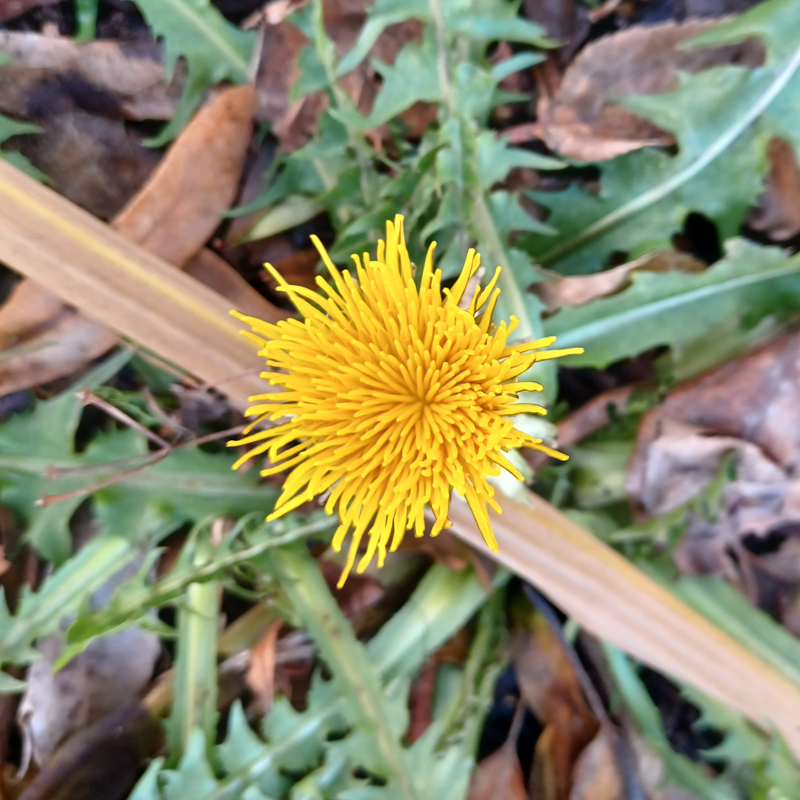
x=392, y=395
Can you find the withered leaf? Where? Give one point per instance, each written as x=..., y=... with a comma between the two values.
x=577, y=290
x=596, y=775
x=261, y=672
x=551, y=689
x=582, y=120
x=778, y=211
x=500, y=774
x=107, y=78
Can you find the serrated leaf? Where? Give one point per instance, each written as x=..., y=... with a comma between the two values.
x=482, y=21
x=496, y=159
x=319, y=752
x=214, y=50
x=722, y=119
x=675, y=308
x=413, y=77
x=185, y=486
x=193, y=778
x=302, y=580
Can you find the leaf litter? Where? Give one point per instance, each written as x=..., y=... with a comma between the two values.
x=362, y=123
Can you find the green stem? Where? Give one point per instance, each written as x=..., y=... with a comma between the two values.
x=327, y=54
x=169, y=588
x=195, y=701
x=302, y=580
x=512, y=301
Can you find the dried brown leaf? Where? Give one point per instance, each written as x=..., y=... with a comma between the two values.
x=106, y=677
x=107, y=78
x=752, y=400
x=778, y=211
x=60, y=348
x=500, y=774
x=183, y=202
x=13, y=8
x=102, y=761
x=28, y=309
x=564, y=21
x=94, y=161
x=577, y=290
x=551, y=689
x=261, y=672
x=744, y=412
x=582, y=121
x=216, y=273
x=596, y=775
x=420, y=700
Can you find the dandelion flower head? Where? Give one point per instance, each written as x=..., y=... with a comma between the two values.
x=393, y=392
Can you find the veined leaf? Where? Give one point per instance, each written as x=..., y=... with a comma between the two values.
x=412, y=78
x=214, y=50
x=722, y=117
x=675, y=308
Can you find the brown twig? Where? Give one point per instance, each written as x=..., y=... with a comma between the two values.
x=89, y=398
x=48, y=499
x=152, y=458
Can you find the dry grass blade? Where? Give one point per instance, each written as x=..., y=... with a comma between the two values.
x=89, y=265
x=172, y=216
x=119, y=284
x=611, y=598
